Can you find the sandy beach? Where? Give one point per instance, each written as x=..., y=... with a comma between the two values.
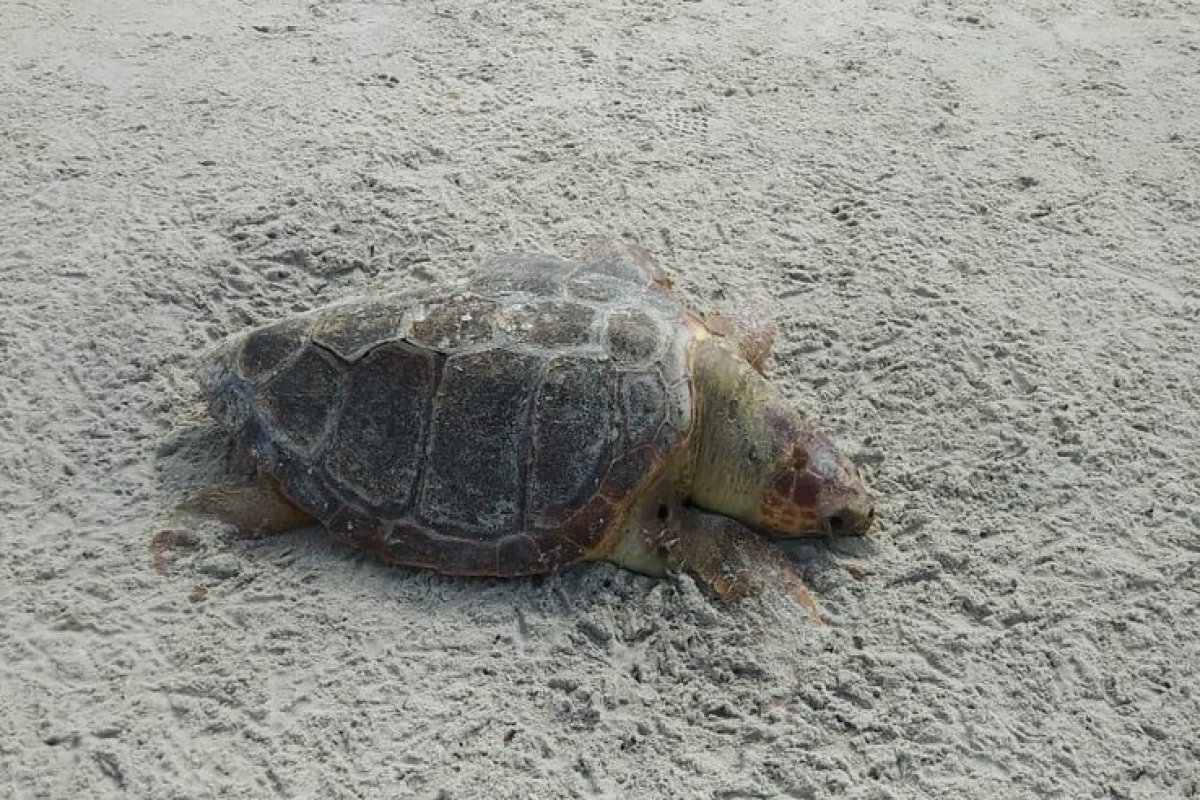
x=978, y=223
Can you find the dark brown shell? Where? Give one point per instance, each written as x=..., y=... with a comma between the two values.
x=497, y=427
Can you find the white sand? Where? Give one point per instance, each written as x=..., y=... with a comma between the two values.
x=982, y=225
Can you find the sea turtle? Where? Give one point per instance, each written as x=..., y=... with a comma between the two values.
x=539, y=413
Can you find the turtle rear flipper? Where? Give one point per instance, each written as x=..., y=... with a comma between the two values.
x=255, y=507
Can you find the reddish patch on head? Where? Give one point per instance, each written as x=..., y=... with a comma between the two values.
x=791, y=503
x=806, y=489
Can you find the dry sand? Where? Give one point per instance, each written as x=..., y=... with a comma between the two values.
x=980, y=223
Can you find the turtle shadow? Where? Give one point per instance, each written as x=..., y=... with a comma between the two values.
x=828, y=561
x=192, y=457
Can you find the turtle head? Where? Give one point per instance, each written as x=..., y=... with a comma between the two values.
x=814, y=488
x=757, y=459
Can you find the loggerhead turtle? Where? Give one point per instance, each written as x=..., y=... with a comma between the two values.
x=540, y=413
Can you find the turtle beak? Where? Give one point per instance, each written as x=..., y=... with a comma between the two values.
x=854, y=519
x=844, y=506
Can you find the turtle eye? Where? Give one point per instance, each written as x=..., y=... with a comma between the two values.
x=837, y=524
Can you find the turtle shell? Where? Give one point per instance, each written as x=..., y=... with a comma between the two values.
x=500, y=426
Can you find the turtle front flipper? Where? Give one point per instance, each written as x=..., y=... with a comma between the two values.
x=749, y=324
x=255, y=508
x=729, y=557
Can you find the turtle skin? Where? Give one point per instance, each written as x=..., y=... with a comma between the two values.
x=500, y=426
